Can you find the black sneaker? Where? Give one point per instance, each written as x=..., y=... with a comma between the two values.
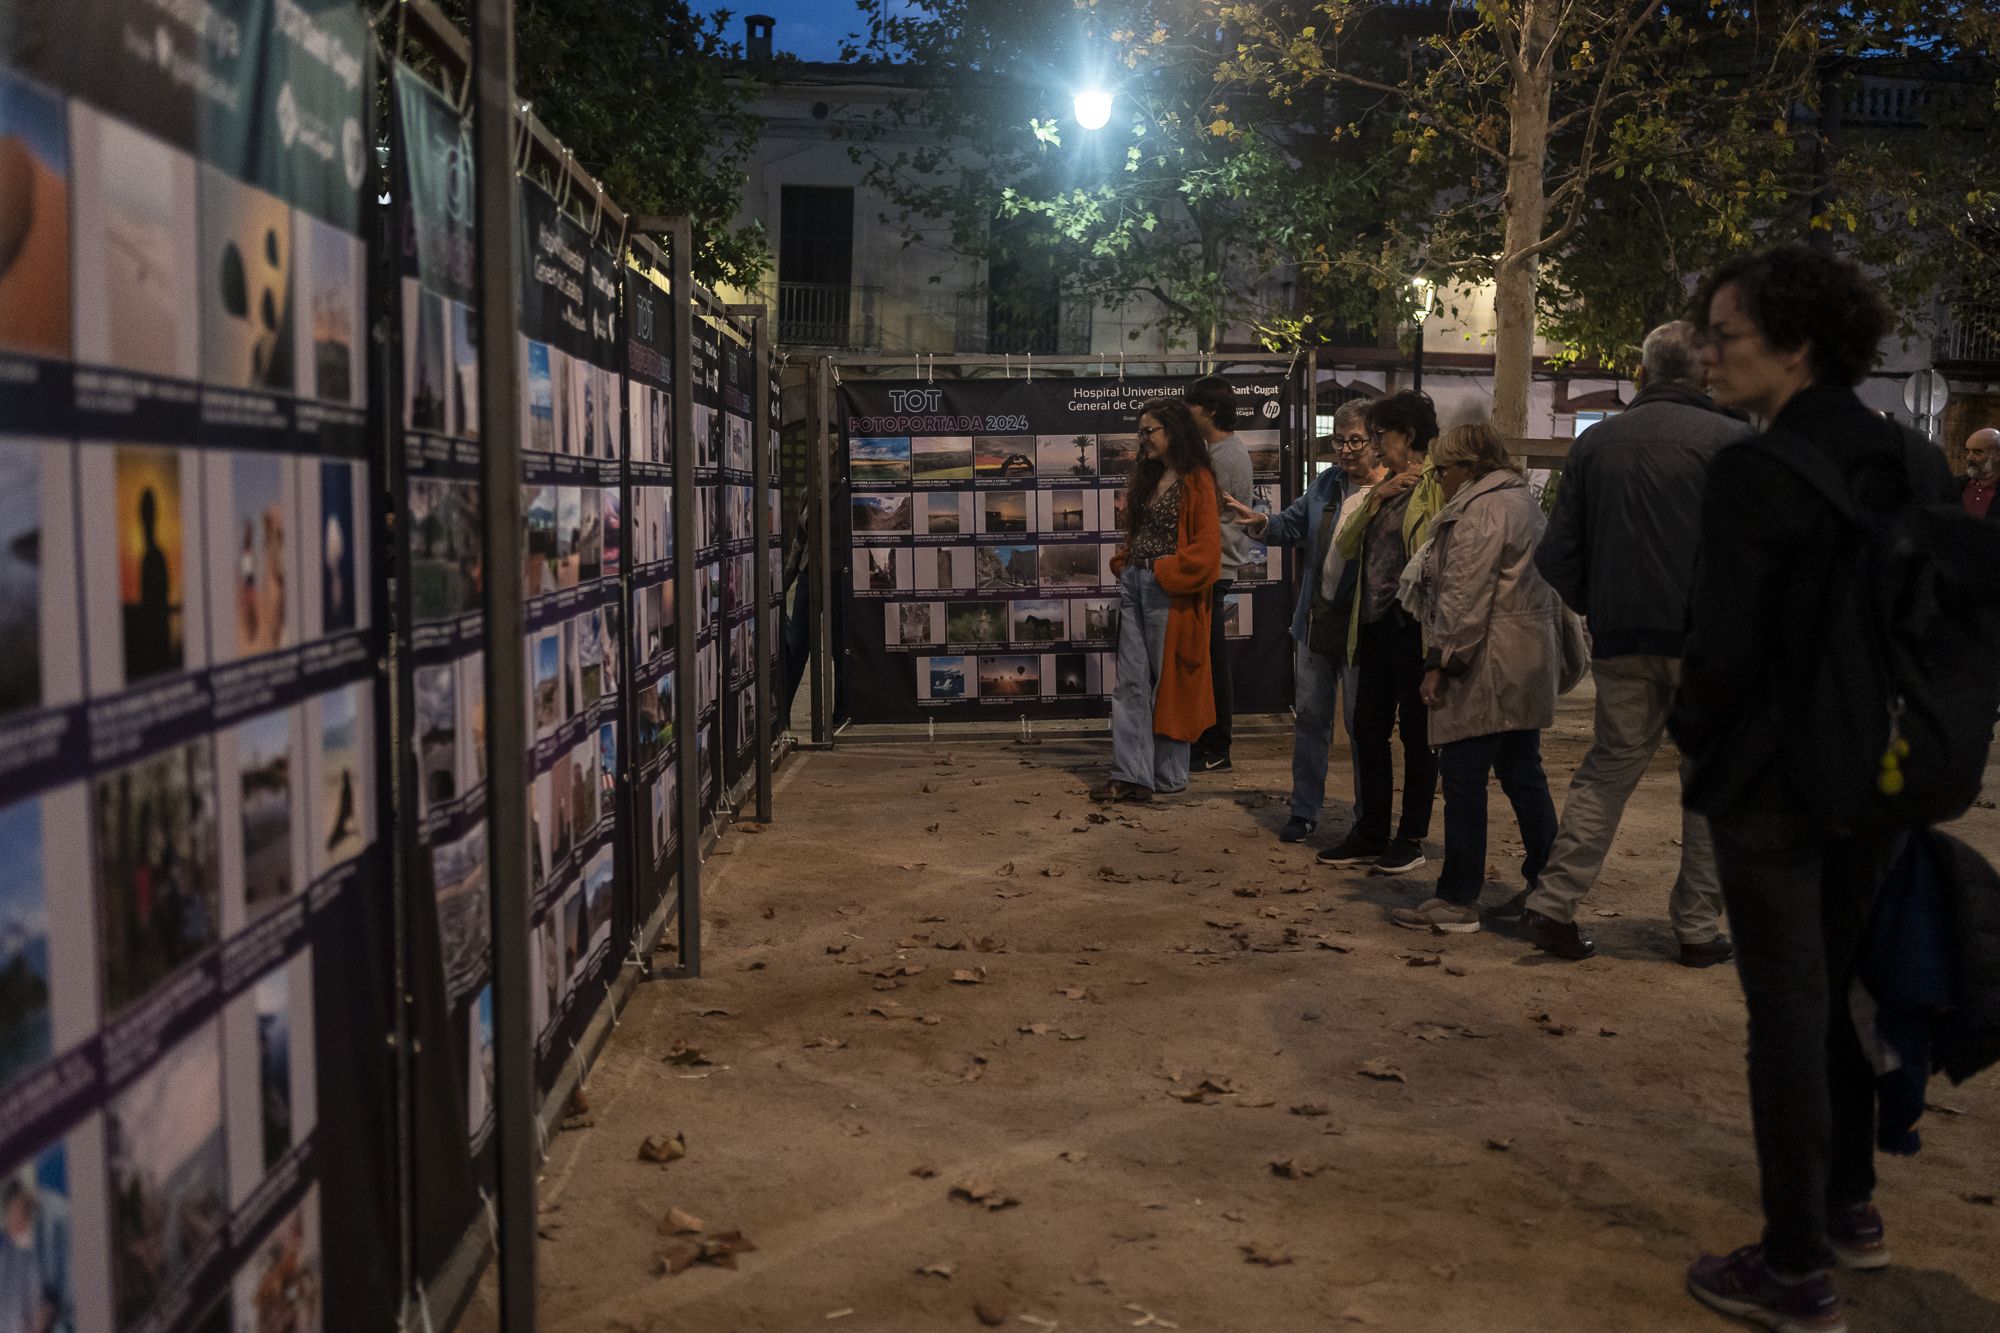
x=1708, y=953
x=1551, y=936
x=1353, y=850
x=1510, y=911
x=1400, y=858
x=1210, y=763
x=1297, y=829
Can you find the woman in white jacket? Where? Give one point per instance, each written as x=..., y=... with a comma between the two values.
x=1494, y=658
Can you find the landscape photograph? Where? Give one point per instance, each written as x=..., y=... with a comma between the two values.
x=941, y=458
x=1010, y=677
x=1011, y=456
x=1043, y=620
x=1066, y=455
x=875, y=461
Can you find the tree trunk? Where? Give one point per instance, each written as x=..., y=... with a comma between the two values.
x=1516, y=273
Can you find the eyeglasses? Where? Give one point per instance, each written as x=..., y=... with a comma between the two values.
x=1351, y=441
x=1147, y=432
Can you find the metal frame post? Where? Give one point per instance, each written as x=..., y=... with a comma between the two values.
x=760, y=634
x=819, y=468
x=687, y=704
x=496, y=210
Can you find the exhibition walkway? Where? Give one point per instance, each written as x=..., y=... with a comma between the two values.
x=968, y=1053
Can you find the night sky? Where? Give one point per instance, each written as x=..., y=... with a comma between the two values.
x=808, y=29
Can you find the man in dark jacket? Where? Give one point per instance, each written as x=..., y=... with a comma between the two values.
x=1982, y=463
x=1620, y=550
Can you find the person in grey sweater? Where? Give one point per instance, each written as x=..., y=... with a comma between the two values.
x=1620, y=550
x=1212, y=400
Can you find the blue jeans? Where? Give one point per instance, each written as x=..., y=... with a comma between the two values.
x=1319, y=679
x=1515, y=757
x=1140, y=755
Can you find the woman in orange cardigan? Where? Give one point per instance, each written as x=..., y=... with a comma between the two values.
x=1171, y=558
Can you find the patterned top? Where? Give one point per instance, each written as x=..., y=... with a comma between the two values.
x=1159, y=531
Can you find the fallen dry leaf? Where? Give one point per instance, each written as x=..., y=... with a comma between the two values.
x=974, y=1071
x=932, y=828
x=826, y=1043
x=1549, y=1025
x=1291, y=1168
x=980, y=1189
x=1034, y=1029
x=684, y=1053
x=714, y=1013
x=1111, y=876
x=1072, y=1155
x=1499, y=1145
x=1380, y=1068
x=1050, y=873
x=1312, y=1109
x=1072, y=992
x=1247, y=892
x=1069, y=1036
x=1982, y=1200
x=968, y=976
x=677, y=1222
x=841, y=1313
x=1007, y=869
x=663, y=1148
x=1263, y=1252
x=937, y=1270
x=836, y=948
x=923, y=1172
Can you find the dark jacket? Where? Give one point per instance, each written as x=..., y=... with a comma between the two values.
x=1620, y=546
x=1767, y=537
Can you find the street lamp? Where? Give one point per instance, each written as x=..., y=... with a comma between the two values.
x=1424, y=295
x=1093, y=108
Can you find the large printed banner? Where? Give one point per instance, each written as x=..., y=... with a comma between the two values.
x=982, y=516
x=441, y=502
x=573, y=504
x=654, y=761
x=739, y=554
x=196, y=968
x=713, y=423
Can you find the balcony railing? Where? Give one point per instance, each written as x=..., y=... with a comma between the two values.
x=1970, y=336
x=835, y=315
x=1062, y=330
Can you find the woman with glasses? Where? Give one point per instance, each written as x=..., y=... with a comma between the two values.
x=1319, y=621
x=1171, y=558
x=1385, y=645
x=1493, y=628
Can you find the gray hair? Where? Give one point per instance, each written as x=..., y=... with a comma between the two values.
x=1354, y=409
x=1672, y=355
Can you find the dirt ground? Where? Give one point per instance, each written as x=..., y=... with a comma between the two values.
x=1159, y=1071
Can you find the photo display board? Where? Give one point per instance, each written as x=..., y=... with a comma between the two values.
x=572, y=505
x=440, y=499
x=196, y=966
x=774, y=499
x=739, y=555
x=980, y=519
x=654, y=761
x=711, y=442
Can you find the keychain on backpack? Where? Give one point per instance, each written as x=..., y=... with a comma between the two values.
x=1890, y=780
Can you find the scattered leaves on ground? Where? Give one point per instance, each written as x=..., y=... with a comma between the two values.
x=663, y=1148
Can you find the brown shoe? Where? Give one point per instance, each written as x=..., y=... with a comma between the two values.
x=1116, y=790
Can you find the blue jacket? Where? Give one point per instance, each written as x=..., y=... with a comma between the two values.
x=1299, y=525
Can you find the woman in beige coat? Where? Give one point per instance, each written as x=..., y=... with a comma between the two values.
x=1494, y=633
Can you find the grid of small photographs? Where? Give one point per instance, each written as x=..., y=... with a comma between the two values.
x=992, y=557
x=717, y=355
x=653, y=763
x=184, y=488
x=575, y=548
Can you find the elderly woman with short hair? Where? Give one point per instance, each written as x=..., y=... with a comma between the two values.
x=1493, y=662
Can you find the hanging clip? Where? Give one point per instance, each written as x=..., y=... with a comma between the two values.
x=1121, y=365
x=1029, y=357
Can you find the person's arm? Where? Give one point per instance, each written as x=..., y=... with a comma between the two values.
x=1196, y=562
x=1288, y=526
x=1468, y=578
x=1560, y=557
x=1738, y=586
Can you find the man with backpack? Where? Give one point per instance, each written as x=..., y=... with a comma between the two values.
x=1832, y=697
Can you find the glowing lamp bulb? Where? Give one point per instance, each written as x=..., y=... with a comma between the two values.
x=1093, y=109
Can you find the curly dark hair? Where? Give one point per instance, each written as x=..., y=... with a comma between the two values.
x=1801, y=297
x=1186, y=452
x=1409, y=410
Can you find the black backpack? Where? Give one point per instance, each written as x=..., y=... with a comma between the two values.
x=1891, y=711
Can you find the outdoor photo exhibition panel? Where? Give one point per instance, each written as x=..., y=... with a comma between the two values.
x=654, y=761
x=739, y=556
x=711, y=441
x=980, y=523
x=572, y=451
x=448, y=910
x=196, y=967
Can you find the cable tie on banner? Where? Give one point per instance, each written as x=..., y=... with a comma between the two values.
x=492, y=1216
x=1030, y=358
x=1007, y=364
x=1121, y=365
